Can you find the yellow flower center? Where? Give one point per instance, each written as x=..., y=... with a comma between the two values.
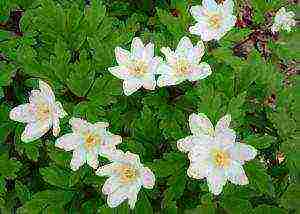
x=215, y=21
x=127, y=173
x=43, y=112
x=183, y=67
x=139, y=67
x=222, y=159
x=91, y=141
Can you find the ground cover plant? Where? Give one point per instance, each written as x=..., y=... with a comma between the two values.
x=154, y=106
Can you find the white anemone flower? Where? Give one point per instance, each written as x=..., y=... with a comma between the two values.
x=137, y=68
x=41, y=113
x=283, y=20
x=87, y=142
x=183, y=64
x=214, y=154
x=126, y=177
x=213, y=20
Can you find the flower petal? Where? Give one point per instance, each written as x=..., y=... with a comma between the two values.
x=164, y=69
x=117, y=197
x=47, y=92
x=236, y=174
x=137, y=48
x=56, y=127
x=111, y=185
x=202, y=29
x=242, y=152
x=170, y=55
x=107, y=170
x=79, y=125
x=132, y=195
x=148, y=178
x=226, y=137
x=223, y=123
x=183, y=47
x=228, y=6
x=68, y=142
x=166, y=80
x=34, y=131
x=120, y=72
x=216, y=179
x=196, y=53
x=198, y=170
x=149, y=51
x=131, y=85
x=59, y=110
x=200, y=124
x=210, y=5
x=23, y=113
x=92, y=158
x=122, y=56
x=133, y=159
x=78, y=159
x=198, y=12
x=200, y=71
x=188, y=143
x=149, y=82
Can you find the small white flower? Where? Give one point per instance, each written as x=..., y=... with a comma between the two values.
x=183, y=64
x=41, y=113
x=214, y=154
x=126, y=177
x=137, y=68
x=87, y=142
x=283, y=20
x=213, y=20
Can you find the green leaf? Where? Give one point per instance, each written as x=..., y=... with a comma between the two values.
x=56, y=176
x=265, y=209
x=8, y=167
x=143, y=205
x=260, y=142
x=290, y=198
x=235, y=205
x=94, y=14
x=22, y=192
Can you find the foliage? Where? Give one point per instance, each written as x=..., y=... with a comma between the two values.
x=70, y=44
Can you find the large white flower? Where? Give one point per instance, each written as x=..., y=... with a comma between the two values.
x=41, y=113
x=137, y=68
x=87, y=142
x=214, y=154
x=126, y=177
x=213, y=20
x=183, y=64
x=283, y=20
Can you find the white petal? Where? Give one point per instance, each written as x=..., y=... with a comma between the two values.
x=92, y=158
x=200, y=124
x=198, y=170
x=117, y=197
x=149, y=51
x=107, y=170
x=23, y=113
x=164, y=68
x=216, y=179
x=196, y=53
x=101, y=125
x=183, y=47
x=197, y=12
x=131, y=85
x=149, y=82
x=68, y=142
x=228, y=6
x=210, y=5
x=200, y=71
x=226, y=137
x=170, y=55
x=148, y=178
x=111, y=185
x=166, y=80
x=202, y=29
x=78, y=159
x=122, y=56
x=188, y=143
x=59, y=110
x=137, y=48
x=79, y=125
x=56, y=127
x=154, y=64
x=242, y=152
x=223, y=123
x=46, y=91
x=236, y=174
x=34, y=131
x=120, y=72
x=133, y=159
x=132, y=195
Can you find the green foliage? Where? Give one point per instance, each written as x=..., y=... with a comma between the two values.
x=70, y=44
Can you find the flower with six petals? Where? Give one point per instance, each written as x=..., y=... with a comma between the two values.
x=41, y=113
x=87, y=142
x=126, y=177
x=283, y=20
x=183, y=64
x=214, y=154
x=137, y=68
x=213, y=19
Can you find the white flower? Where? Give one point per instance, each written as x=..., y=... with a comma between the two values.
x=41, y=113
x=137, y=68
x=87, y=142
x=126, y=177
x=214, y=154
x=183, y=64
x=283, y=20
x=213, y=20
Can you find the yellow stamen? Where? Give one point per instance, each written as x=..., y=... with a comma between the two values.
x=91, y=141
x=139, y=68
x=43, y=112
x=215, y=21
x=222, y=159
x=127, y=173
x=183, y=67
